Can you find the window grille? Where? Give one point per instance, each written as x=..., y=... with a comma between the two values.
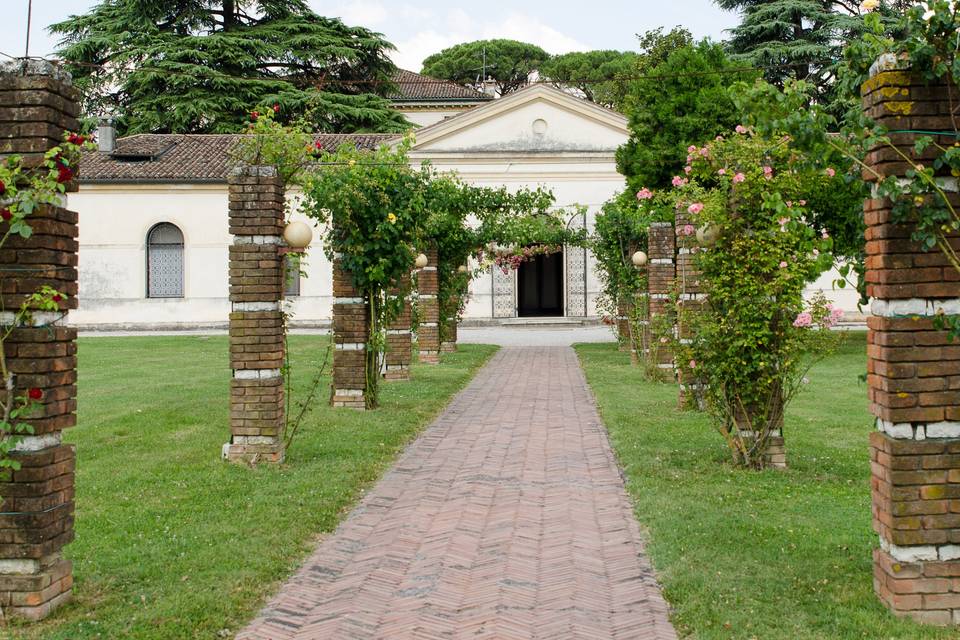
x=165, y=261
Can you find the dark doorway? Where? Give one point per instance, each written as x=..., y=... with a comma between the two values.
x=540, y=286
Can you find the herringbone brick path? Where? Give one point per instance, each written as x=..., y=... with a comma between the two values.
x=506, y=519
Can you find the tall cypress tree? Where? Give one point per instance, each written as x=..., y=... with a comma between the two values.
x=198, y=66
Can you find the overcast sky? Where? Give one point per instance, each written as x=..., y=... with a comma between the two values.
x=421, y=27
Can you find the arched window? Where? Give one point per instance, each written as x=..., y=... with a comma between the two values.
x=165, y=261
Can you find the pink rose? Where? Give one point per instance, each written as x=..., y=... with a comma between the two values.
x=824, y=234
x=695, y=208
x=768, y=172
x=741, y=129
x=803, y=203
x=721, y=172
x=687, y=169
x=783, y=264
x=737, y=179
x=692, y=149
x=688, y=230
x=678, y=181
x=644, y=194
x=705, y=152
x=693, y=364
x=803, y=320
x=831, y=172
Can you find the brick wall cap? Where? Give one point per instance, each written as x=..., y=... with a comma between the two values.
x=30, y=67
x=889, y=62
x=263, y=171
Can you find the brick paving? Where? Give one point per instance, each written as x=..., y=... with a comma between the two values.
x=506, y=519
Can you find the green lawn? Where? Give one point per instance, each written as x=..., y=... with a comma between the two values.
x=772, y=555
x=172, y=542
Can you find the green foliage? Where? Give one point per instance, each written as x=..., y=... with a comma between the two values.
x=802, y=39
x=195, y=66
x=508, y=62
x=754, y=342
x=288, y=148
x=682, y=101
x=621, y=229
x=656, y=46
x=599, y=75
x=792, y=115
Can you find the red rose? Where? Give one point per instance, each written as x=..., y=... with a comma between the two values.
x=56, y=297
x=3, y=187
x=75, y=139
x=35, y=393
x=276, y=108
x=64, y=174
x=6, y=214
x=254, y=115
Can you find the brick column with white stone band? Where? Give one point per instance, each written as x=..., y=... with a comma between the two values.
x=257, y=347
x=351, y=330
x=661, y=270
x=913, y=372
x=428, y=331
x=37, y=104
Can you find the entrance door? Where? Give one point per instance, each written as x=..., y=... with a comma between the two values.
x=540, y=286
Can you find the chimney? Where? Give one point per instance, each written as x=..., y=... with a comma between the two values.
x=106, y=136
x=490, y=87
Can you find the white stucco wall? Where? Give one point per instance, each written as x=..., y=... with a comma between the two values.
x=114, y=222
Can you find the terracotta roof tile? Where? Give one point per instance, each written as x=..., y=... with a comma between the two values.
x=414, y=87
x=185, y=157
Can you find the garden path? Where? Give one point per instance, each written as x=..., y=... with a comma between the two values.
x=506, y=519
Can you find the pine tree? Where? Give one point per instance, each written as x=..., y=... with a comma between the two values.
x=799, y=38
x=199, y=66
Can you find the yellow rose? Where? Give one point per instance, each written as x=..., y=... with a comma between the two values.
x=392, y=219
x=352, y=162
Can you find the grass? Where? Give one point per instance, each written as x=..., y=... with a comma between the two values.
x=771, y=555
x=171, y=541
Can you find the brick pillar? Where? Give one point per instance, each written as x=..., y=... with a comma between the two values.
x=428, y=333
x=257, y=348
x=661, y=250
x=640, y=349
x=37, y=104
x=399, y=340
x=351, y=329
x=913, y=378
x=690, y=301
x=449, y=343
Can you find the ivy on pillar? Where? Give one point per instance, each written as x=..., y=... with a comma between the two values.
x=428, y=289
x=351, y=330
x=913, y=377
x=660, y=284
x=690, y=301
x=37, y=104
x=257, y=328
x=448, y=343
x=399, y=352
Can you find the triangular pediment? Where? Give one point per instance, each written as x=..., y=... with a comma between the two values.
x=539, y=118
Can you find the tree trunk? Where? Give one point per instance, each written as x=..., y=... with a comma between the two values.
x=229, y=14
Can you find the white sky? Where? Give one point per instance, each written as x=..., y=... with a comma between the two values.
x=421, y=27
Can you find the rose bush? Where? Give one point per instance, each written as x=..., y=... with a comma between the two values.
x=749, y=351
